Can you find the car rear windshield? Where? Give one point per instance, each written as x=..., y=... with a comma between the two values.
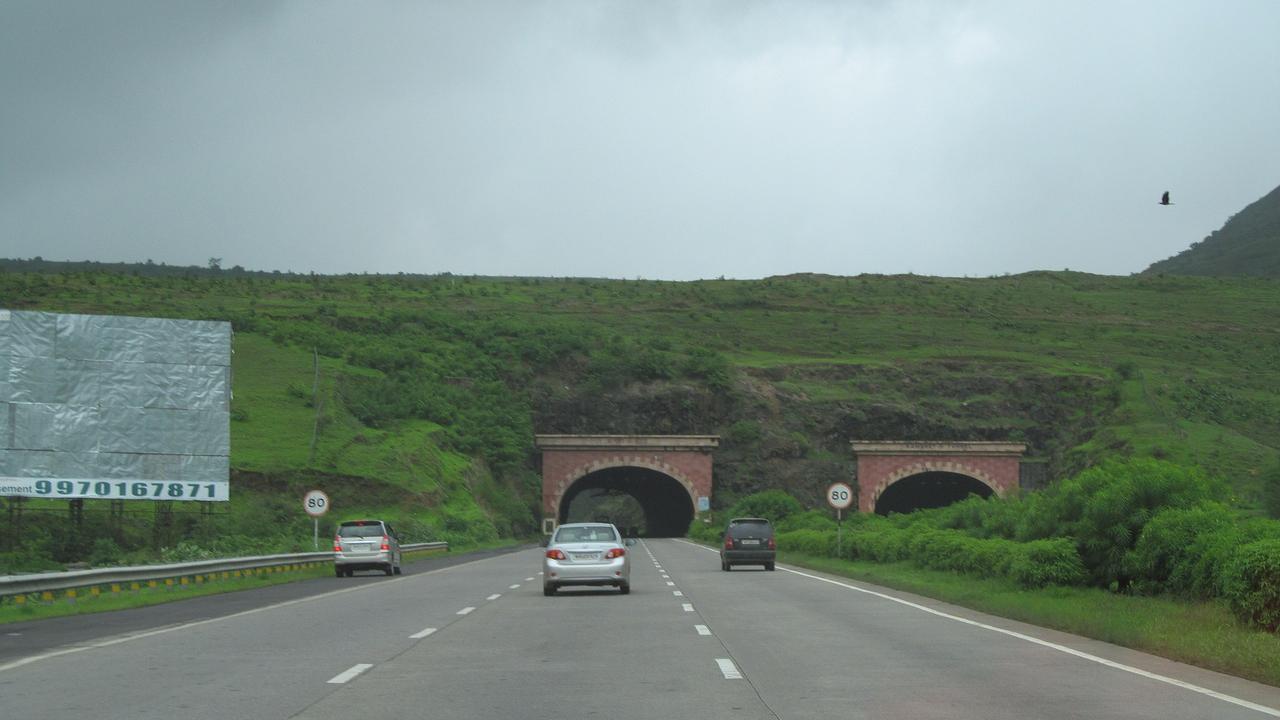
x=586, y=534
x=365, y=530
x=750, y=527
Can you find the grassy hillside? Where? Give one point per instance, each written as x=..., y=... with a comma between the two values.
x=1248, y=244
x=430, y=387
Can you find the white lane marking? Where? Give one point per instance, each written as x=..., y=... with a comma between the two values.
x=349, y=673
x=688, y=607
x=670, y=584
x=539, y=574
x=530, y=579
x=422, y=633
x=514, y=587
x=677, y=593
x=209, y=621
x=1273, y=712
x=494, y=596
x=466, y=610
x=702, y=629
x=729, y=670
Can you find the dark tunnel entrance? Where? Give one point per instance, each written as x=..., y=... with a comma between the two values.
x=929, y=490
x=639, y=501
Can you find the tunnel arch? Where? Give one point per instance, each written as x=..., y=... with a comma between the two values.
x=665, y=501
x=929, y=489
x=668, y=475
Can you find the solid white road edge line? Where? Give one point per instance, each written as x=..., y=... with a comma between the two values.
x=702, y=629
x=728, y=669
x=1273, y=712
x=348, y=674
x=422, y=633
x=466, y=610
x=208, y=621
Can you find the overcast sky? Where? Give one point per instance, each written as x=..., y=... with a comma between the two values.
x=672, y=140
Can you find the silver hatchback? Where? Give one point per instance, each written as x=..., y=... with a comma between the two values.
x=586, y=554
x=366, y=545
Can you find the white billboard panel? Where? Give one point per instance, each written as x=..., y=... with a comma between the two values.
x=122, y=408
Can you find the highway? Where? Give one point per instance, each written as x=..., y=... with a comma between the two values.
x=473, y=637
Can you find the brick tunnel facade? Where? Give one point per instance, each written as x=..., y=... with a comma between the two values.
x=984, y=468
x=669, y=475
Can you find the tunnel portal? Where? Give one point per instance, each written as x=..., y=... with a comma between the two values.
x=929, y=490
x=640, y=501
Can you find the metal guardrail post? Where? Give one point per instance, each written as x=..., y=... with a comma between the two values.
x=50, y=582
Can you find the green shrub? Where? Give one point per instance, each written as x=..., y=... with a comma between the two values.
x=808, y=520
x=1173, y=553
x=1252, y=584
x=772, y=504
x=809, y=542
x=1106, y=507
x=1047, y=562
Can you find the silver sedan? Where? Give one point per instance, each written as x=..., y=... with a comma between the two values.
x=586, y=554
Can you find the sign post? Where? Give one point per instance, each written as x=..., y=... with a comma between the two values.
x=840, y=495
x=316, y=503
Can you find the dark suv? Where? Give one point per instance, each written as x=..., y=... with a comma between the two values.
x=748, y=541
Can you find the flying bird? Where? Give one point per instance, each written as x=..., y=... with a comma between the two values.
x=1164, y=199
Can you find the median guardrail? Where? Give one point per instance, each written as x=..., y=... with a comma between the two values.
x=39, y=583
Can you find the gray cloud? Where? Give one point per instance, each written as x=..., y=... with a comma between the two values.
x=672, y=140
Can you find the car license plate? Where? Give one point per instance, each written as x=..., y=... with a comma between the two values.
x=585, y=556
x=750, y=542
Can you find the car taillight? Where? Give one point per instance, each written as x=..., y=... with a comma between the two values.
x=614, y=553
x=772, y=545
x=386, y=543
x=556, y=554
x=337, y=544
x=728, y=543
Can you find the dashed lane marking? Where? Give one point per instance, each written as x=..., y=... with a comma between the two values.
x=514, y=587
x=677, y=593
x=348, y=674
x=1273, y=712
x=209, y=621
x=466, y=610
x=688, y=607
x=702, y=629
x=494, y=596
x=422, y=633
x=728, y=669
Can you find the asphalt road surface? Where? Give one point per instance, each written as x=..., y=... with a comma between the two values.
x=477, y=639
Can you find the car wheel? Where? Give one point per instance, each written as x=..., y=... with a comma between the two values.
x=337, y=572
x=625, y=588
x=398, y=571
x=548, y=590
x=724, y=565
x=768, y=566
x=389, y=570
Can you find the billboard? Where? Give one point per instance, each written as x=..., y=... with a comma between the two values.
x=109, y=407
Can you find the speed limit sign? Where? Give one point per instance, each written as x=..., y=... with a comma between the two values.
x=316, y=503
x=840, y=496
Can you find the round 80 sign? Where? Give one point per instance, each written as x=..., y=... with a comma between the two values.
x=316, y=503
x=840, y=496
